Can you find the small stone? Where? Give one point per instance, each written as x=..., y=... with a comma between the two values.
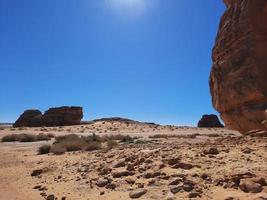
x=135, y=194
x=250, y=187
x=194, y=195
x=211, y=151
x=175, y=181
x=122, y=173
x=120, y=163
x=176, y=189
x=102, y=182
x=130, y=180
x=51, y=197
x=37, y=172
x=173, y=161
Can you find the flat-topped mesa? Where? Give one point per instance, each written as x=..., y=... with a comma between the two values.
x=63, y=116
x=238, y=80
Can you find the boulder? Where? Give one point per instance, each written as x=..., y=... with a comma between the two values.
x=63, y=116
x=29, y=118
x=209, y=121
x=238, y=81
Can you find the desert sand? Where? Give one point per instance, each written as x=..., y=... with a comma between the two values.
x=212, y=163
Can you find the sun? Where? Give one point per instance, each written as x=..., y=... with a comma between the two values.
x=131, y=8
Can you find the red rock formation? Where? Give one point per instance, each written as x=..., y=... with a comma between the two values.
x=63, y=116
x=30, y=118
x=209, y=121
x=238, y=80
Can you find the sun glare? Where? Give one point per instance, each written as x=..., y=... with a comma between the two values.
x=131, y=8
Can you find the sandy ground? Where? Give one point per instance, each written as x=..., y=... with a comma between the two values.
x=163, y=168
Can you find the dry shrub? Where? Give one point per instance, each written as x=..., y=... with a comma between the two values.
x=58, y=149
x=25, y=138
x=112, y=143
x=74, y=142
x=93, y=146
x=45, y=149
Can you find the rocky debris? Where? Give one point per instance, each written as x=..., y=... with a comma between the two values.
x=120, y=163
x=238, y=76
x=257, y=133
x=194, y=195
x=61, y=116
x=120, y=174
x=246, y=150
x=109, y=171
x=211, y=151
x=135, y=194
x=29, y=118
x=182, y=165
x=209, y=121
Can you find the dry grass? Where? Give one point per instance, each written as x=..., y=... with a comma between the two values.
x=72, y=142
x=25, y=137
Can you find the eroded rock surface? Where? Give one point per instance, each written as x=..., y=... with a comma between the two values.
x=62, y=116
x=209, y=121
x=30, y=118
x=238, y=80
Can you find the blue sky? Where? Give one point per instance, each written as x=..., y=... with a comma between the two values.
x=143, y=59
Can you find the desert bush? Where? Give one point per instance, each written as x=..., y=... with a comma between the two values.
x=113, y=137
x=74, y=142
x=93, y=146
x=127, y=139
x=9, y=138
x=112, y=143
x=25, y=138
x=42, y=137
x=58, y=149
x=45, y=149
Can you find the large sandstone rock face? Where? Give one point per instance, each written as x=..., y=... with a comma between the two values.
x=238, y=80
x=209, y=121
x=30, y=118
x=62, y=116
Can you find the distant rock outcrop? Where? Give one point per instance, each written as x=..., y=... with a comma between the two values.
x=209, y=121
x=238, y=80
x=30, y=118
x=62, y=116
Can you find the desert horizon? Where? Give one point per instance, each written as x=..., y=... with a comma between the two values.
x=133, y=99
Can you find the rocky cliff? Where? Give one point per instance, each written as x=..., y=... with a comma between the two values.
x=238, y=80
